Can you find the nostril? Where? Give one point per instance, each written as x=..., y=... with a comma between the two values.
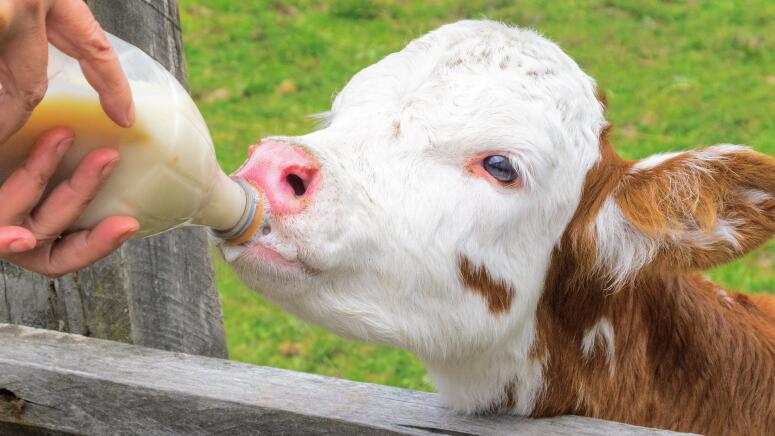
x=297, y=184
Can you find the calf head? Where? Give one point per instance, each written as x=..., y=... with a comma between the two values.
x=429, y=211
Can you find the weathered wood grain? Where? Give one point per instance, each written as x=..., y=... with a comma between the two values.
x=57, y=382
x=157, y=292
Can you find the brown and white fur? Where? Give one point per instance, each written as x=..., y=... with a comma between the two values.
x=575, y=289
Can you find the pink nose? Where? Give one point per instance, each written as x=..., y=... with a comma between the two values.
x=287, y=175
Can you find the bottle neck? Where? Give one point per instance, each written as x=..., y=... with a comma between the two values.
x=233, y=209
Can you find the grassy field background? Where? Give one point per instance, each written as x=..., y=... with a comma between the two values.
x=677, y=75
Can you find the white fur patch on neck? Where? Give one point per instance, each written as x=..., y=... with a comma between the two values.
x=528, y=387
x=484, y=385
x=603, y=333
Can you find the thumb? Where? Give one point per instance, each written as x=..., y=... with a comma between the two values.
x=15, y=240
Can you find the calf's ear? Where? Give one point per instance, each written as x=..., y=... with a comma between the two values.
x=683, y=211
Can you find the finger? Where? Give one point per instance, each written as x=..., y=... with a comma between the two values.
x=81, y=249
x=69, y=199
x=73, y=29
x=14, y=240
x=22, y=191
x=23, y=61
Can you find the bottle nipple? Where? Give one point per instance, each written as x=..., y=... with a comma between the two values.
x=251, y=218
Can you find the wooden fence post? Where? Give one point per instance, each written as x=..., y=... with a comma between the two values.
x=157, y=292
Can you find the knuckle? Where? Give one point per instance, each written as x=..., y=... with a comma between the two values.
x=97, y=42
x=32, y=96
x=80, y=193
x=33, y=178
x=37, y=179
x=86, y=199
x=32, y=5
x=43, y=233
x=53, y=270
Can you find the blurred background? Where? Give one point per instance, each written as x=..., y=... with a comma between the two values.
x=677, y=75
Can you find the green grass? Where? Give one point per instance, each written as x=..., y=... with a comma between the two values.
x=677, y=76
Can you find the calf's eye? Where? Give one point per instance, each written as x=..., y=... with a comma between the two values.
x=500, y=168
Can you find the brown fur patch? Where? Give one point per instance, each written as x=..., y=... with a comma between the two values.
x=685, y=359
x=477, y=279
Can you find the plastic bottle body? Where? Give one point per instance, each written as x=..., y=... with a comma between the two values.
x=168, y=174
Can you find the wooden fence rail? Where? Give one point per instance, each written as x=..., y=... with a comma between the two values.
x=59, y=383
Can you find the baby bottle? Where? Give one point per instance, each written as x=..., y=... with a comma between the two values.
x=167, y=176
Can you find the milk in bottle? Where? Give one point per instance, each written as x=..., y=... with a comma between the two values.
x=167, y=176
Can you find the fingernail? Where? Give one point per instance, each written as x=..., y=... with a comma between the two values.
x=130, y=114
x=108, y=168
x=64, y=145
x=21, y=245
x=127, y=235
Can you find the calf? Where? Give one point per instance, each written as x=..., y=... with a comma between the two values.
x=462, y=202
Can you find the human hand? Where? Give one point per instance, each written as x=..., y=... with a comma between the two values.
x=31, y=229
x=26, y=26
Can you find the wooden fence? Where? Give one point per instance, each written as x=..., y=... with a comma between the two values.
x=60, y=383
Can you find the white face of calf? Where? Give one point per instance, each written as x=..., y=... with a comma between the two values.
x=424, y=214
